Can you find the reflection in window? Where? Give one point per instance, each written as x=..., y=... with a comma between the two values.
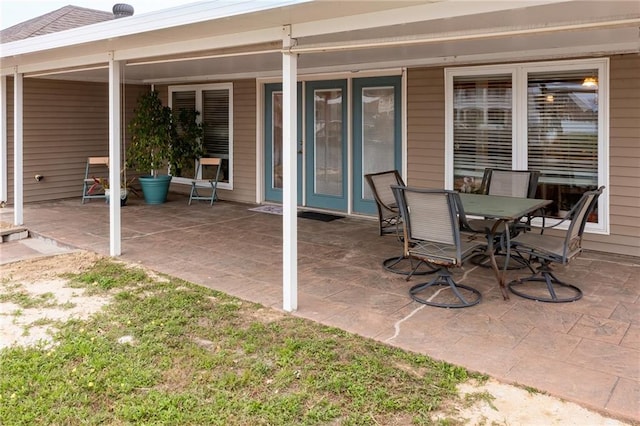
x=276, y=137
x=378, y=126
x=482, y=131
x=328, y=142
x=563, y=136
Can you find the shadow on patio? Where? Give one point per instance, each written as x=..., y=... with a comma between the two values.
x=587, y=351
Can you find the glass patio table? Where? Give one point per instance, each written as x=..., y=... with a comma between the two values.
x=505, y=211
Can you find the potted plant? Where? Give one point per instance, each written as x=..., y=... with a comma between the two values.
x=187, y=146
x=103, y=183
x=160, y=140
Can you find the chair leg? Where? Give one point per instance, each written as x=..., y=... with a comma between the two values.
x=193, y=191
x=553, y=290
x=482, y=260
x=214, y=196
x=445, y=280
x=398, y=265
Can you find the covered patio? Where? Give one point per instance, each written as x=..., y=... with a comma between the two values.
x=587, y=351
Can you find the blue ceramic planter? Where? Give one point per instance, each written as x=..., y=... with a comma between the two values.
x=155, y=189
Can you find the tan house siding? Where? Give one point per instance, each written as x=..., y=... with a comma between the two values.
x=425, y=127
x=624, y=159
x=244, y=143
x=64, y=123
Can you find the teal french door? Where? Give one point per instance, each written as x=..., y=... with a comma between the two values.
x=376, y=139
x=273, y=142
x=377, y=134
x=326, y=144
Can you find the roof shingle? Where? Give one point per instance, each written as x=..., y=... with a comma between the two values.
x=65, y=18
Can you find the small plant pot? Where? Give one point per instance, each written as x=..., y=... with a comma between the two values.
x=124, y=195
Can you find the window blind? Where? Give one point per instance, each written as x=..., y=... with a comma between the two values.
x=563, y=127
x=183, y=100
x=482, y=133
x=215, y=115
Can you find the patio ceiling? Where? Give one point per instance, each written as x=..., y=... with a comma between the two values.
x=344, y=37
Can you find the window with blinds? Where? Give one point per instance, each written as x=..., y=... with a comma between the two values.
x=562, y=130
x=538, y=116
x=482, y=127
x=215, y=115
x=213, y=101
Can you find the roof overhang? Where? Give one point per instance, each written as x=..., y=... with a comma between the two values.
x=215, y=40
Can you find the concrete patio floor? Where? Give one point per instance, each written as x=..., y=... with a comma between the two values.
x=586, y=352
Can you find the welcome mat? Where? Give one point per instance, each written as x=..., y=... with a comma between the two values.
x=324, y=217
x=268, y=209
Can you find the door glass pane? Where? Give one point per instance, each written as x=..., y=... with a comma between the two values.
x=482, y=120
x=328, y=142
x=276, y=139
x=562, y=132
x=378, y=132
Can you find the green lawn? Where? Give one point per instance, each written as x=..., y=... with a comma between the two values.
x=193, y=356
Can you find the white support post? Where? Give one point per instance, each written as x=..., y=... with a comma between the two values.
x=18, y=196
x=115, y=71
x=4, y=176
x=290, y=176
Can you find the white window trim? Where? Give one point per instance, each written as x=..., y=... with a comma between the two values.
x=519, y=75
x=199, y=88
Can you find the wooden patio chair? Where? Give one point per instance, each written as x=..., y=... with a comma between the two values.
x=203, y=169
x=96, y=173
x=543, y=248
x=432, y=235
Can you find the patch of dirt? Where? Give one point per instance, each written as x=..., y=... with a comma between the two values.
x=48, y=267
x=39, y=279
x=490, y=403
x=513, y=405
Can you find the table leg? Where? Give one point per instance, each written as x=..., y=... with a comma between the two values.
x=500, y=274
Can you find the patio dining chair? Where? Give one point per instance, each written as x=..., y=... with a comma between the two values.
x=507, y=183
x=95, y=173
x=389, y=221
x=202, y=179
x=380, y=184
x=432, y=235
x=544, y=248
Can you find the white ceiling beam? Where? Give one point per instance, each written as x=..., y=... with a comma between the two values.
x=483, y=58
x=56, y=65
x=203, y=44
x=426, y=12
x=460, y=36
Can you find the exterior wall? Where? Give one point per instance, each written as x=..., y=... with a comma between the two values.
x=624, y=159
x=244, y=143
x=67, y=121
x=425, y=127
x=64, y=123
x=425, y=147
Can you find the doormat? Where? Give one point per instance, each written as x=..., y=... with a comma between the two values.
x=268, y=209
x=319, y=216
